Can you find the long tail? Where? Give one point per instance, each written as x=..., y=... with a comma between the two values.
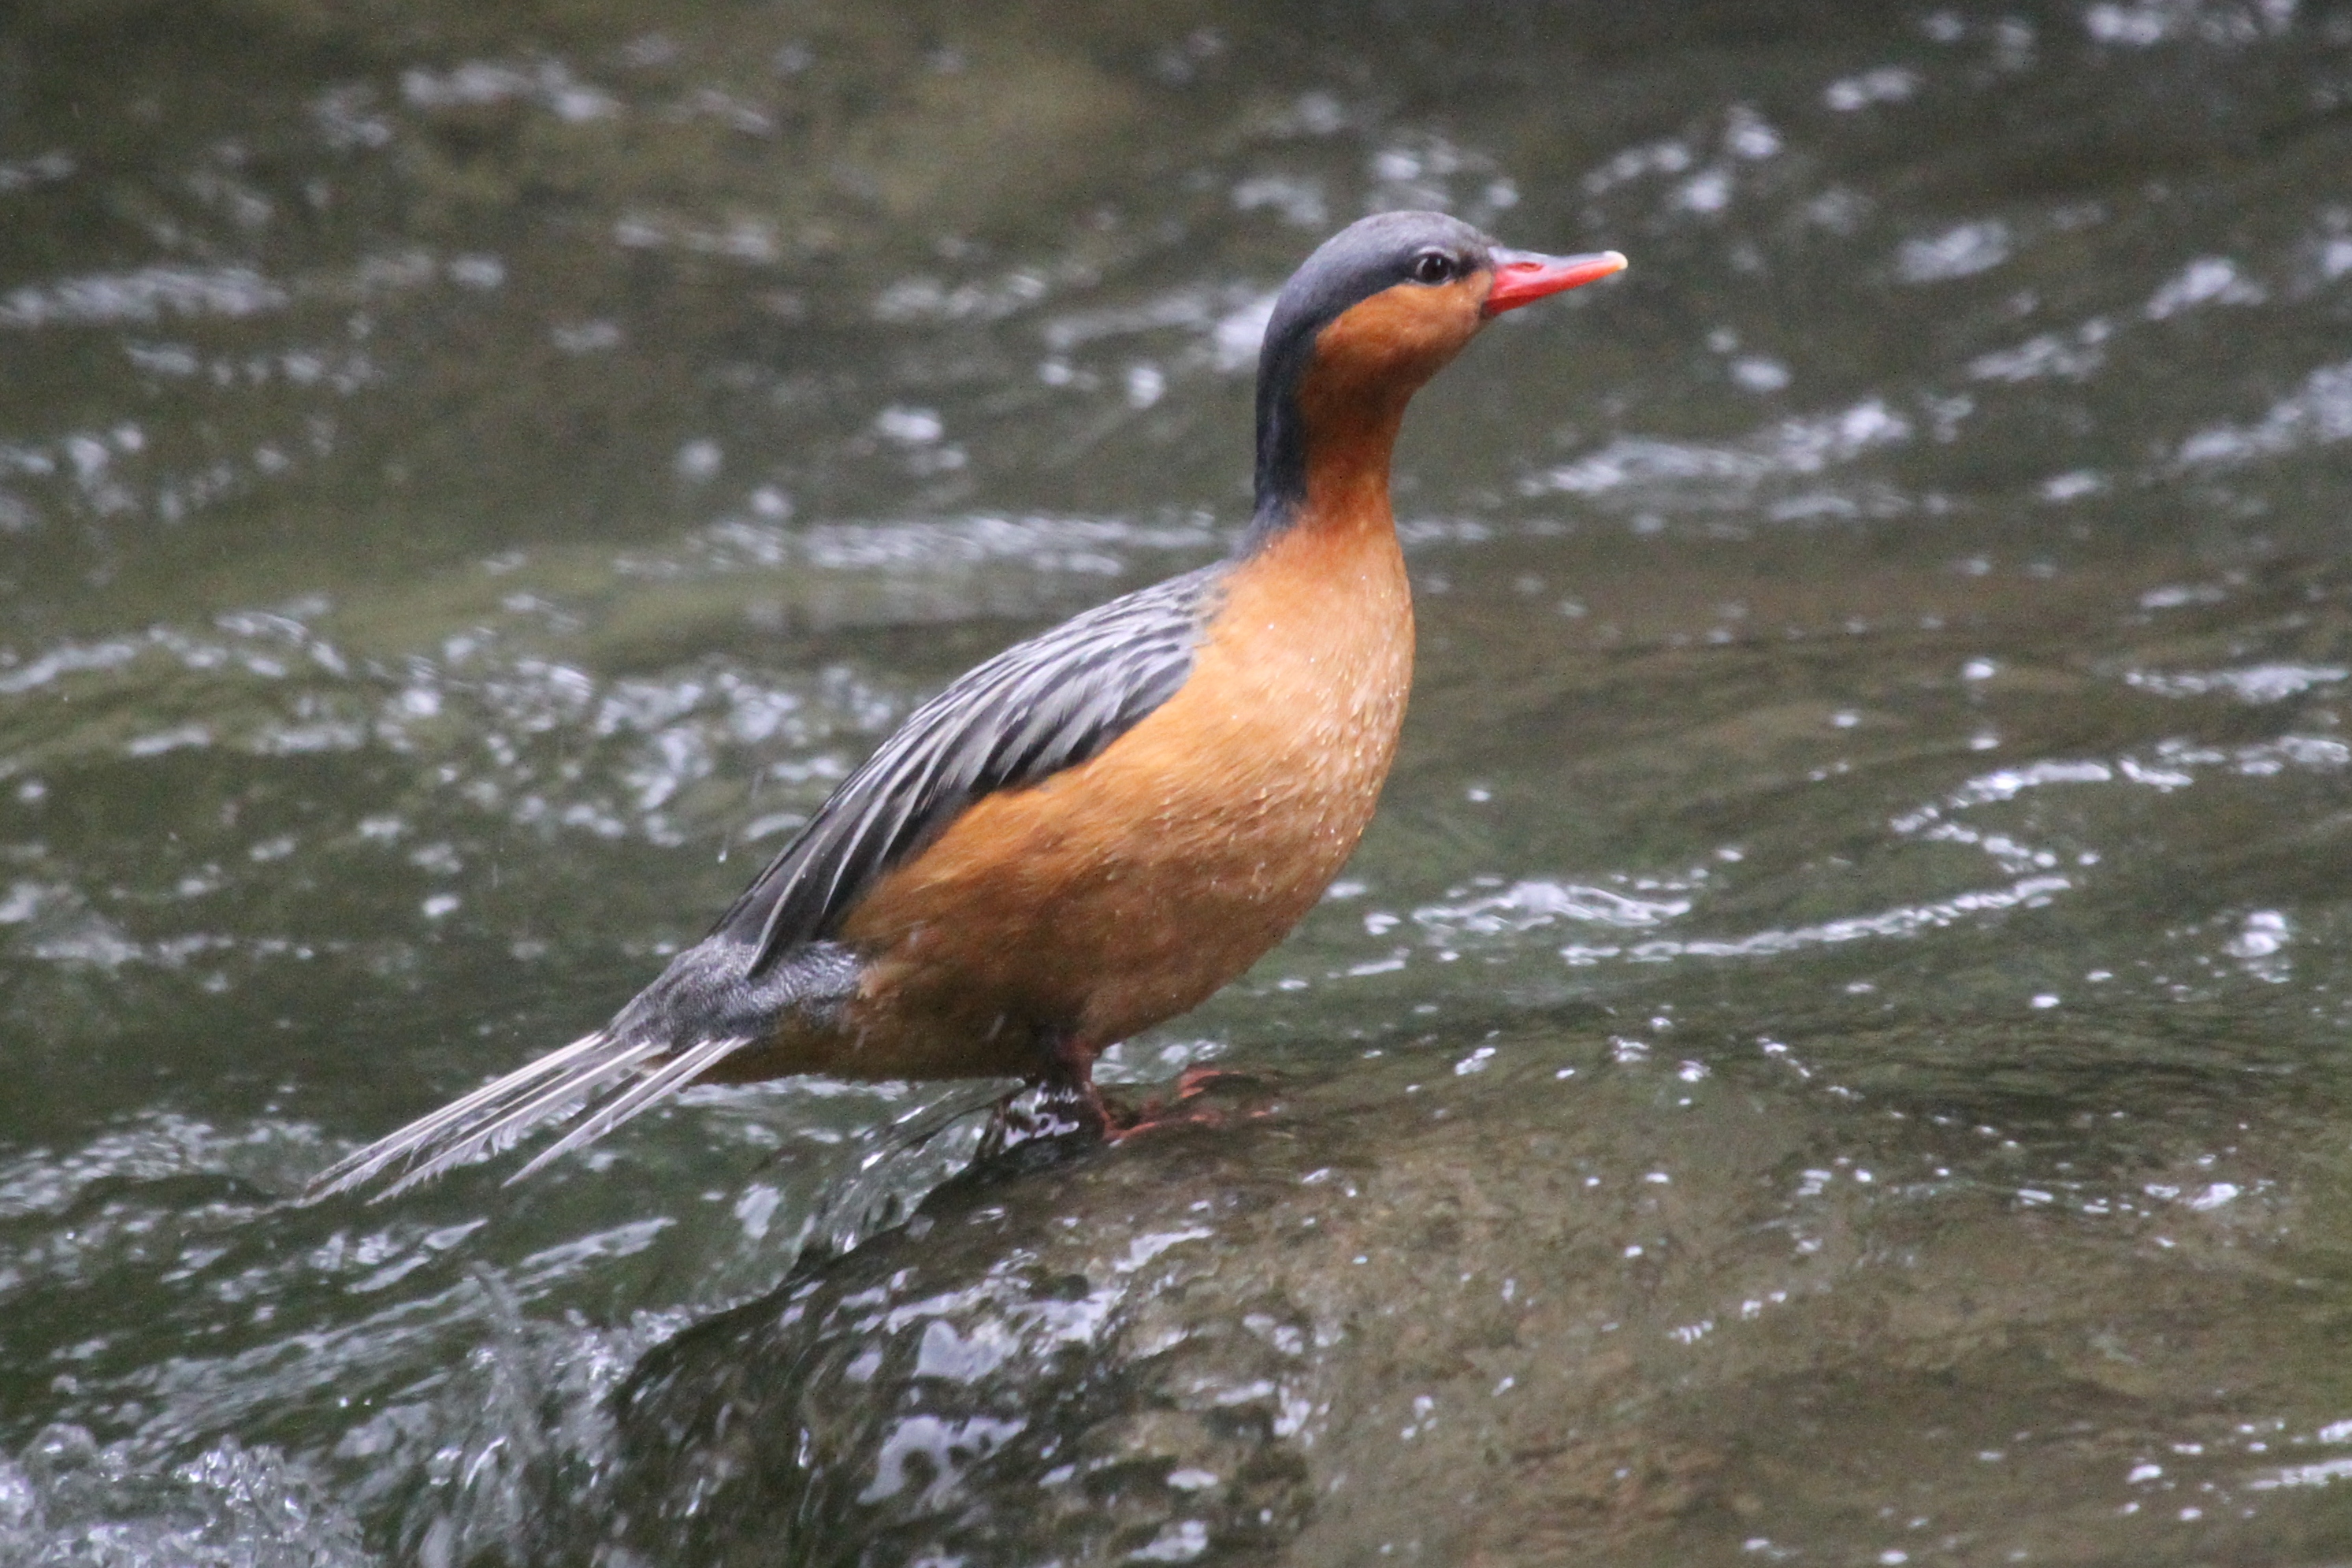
x=556, y=1088
x=712, y=1000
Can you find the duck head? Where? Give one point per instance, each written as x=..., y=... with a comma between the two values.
x=1365, y=322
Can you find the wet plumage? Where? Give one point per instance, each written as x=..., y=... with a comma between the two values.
x=1094, y=830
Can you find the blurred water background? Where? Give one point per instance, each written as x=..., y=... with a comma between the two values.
x=1833, y=1052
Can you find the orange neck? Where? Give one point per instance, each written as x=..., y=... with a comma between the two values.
x=1346, y=428
x=1325, y=441
x=1351, y=434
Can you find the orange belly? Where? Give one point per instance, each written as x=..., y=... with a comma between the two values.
x=1122, y=893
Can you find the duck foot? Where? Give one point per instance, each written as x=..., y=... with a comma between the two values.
x=1065, y=1099
x=1176, y=1111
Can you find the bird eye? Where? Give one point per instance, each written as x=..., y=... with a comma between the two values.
x=1432, y=267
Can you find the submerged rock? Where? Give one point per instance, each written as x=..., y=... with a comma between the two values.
x=1527, y=1306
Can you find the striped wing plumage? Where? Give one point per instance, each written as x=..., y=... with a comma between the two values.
x=1039, y=706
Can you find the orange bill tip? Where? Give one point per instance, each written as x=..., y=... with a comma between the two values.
x=1524, y=276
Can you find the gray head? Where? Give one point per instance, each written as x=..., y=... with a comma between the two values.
x=1380, y=307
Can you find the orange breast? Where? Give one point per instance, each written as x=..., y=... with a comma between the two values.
x=1124, y=892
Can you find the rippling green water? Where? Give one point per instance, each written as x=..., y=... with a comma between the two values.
x=1833, y=1050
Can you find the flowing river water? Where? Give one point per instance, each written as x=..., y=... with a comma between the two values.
x=1835, y=1051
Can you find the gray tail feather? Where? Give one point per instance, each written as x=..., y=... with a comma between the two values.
x=555, y=1088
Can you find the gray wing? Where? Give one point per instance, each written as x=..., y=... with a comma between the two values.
x=1039, y=706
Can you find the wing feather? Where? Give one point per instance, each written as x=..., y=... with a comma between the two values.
x=1039, y=706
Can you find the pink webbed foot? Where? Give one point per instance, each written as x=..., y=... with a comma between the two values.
x=1070, y=1091
x=1176, y=1110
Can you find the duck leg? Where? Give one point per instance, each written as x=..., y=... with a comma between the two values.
x=1069, y=1083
